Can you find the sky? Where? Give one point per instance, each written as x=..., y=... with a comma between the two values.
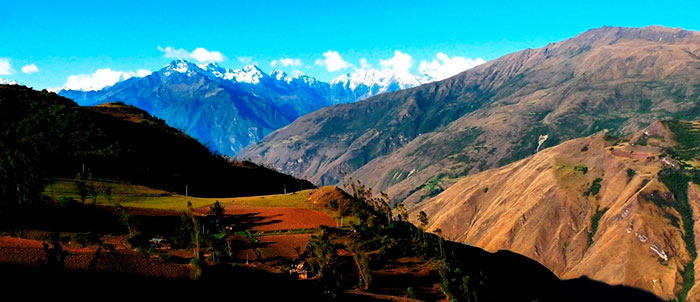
x=84, y=44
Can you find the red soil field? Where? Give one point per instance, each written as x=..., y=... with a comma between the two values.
x=275, y=246
x=273, y=218
x=28, y=252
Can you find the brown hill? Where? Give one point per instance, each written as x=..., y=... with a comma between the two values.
x=610, y=209
x=415, y=142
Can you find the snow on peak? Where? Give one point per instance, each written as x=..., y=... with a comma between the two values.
x=378, y=81
x=278, y=74
x=250, y=74
x=8, y=82
x=180, y=66
x=218, y=71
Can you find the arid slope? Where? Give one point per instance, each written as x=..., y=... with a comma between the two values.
x=594, y=206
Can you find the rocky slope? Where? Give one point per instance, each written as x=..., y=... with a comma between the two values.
x=415, y=142
x=619, y=211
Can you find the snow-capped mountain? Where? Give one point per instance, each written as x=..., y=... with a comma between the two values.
x=8, y=82
x=229, y=109
x=368, y=82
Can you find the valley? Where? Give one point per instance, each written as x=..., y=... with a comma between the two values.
x=103, y=226
x=565, y=172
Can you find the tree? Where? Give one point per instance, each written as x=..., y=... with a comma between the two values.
x=401, y=209
x=21, y=179
x=366, y=205
x=128, y=222
x=321, y=253
x=438, y=231
x=196, y=262
x=55, y=255
x=82, y=189
x=93, y=192
x=216, y=210
x=423, y=219
x=108, y=193
x=362, y=263
x=195, y=230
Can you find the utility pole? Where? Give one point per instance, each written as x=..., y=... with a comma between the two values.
x=186, y=193
x=285, y=188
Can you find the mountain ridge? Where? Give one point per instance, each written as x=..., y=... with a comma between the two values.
x=399, y=142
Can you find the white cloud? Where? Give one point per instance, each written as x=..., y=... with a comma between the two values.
x=31, y=68
x=333, y=61
x=5, y=68
x=142, y=73
x=100, y=78
x=400, y=62
x=204, y=56
x=245, y=60
x=200, y=54
x=286, y=62
x=443, y=66
x=174, y=53
x=364, y=64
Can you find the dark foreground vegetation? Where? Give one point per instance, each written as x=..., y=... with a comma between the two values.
x=43, y=135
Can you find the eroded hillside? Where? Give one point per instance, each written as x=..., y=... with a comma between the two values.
x=616, y=210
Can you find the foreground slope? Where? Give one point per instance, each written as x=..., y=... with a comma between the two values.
x=121, y=142
x=608, y=78
x=616, y=210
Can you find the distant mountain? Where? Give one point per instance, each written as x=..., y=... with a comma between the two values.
x=229, y=109
x=363, y=83
x=120, y=142
x=7, y=82
x=415, y=142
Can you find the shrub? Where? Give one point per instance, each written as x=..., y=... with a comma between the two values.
x=595, y=187
x=630, y=174
x=581, y=168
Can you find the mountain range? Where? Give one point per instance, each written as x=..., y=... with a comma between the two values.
x=416, y=142
x=229, y=109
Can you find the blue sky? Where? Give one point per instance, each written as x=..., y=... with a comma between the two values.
x=64, y=38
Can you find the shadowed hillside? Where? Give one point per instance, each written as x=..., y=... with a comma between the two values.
x=52, y=135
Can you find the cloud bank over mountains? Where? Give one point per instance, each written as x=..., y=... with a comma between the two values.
x=400, y=64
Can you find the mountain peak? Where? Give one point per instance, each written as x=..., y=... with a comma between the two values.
x=378, y=80
x=179, y=66
x=278, y=74
x=251, y=74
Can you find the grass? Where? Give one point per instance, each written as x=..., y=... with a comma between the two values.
x=130, y=195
